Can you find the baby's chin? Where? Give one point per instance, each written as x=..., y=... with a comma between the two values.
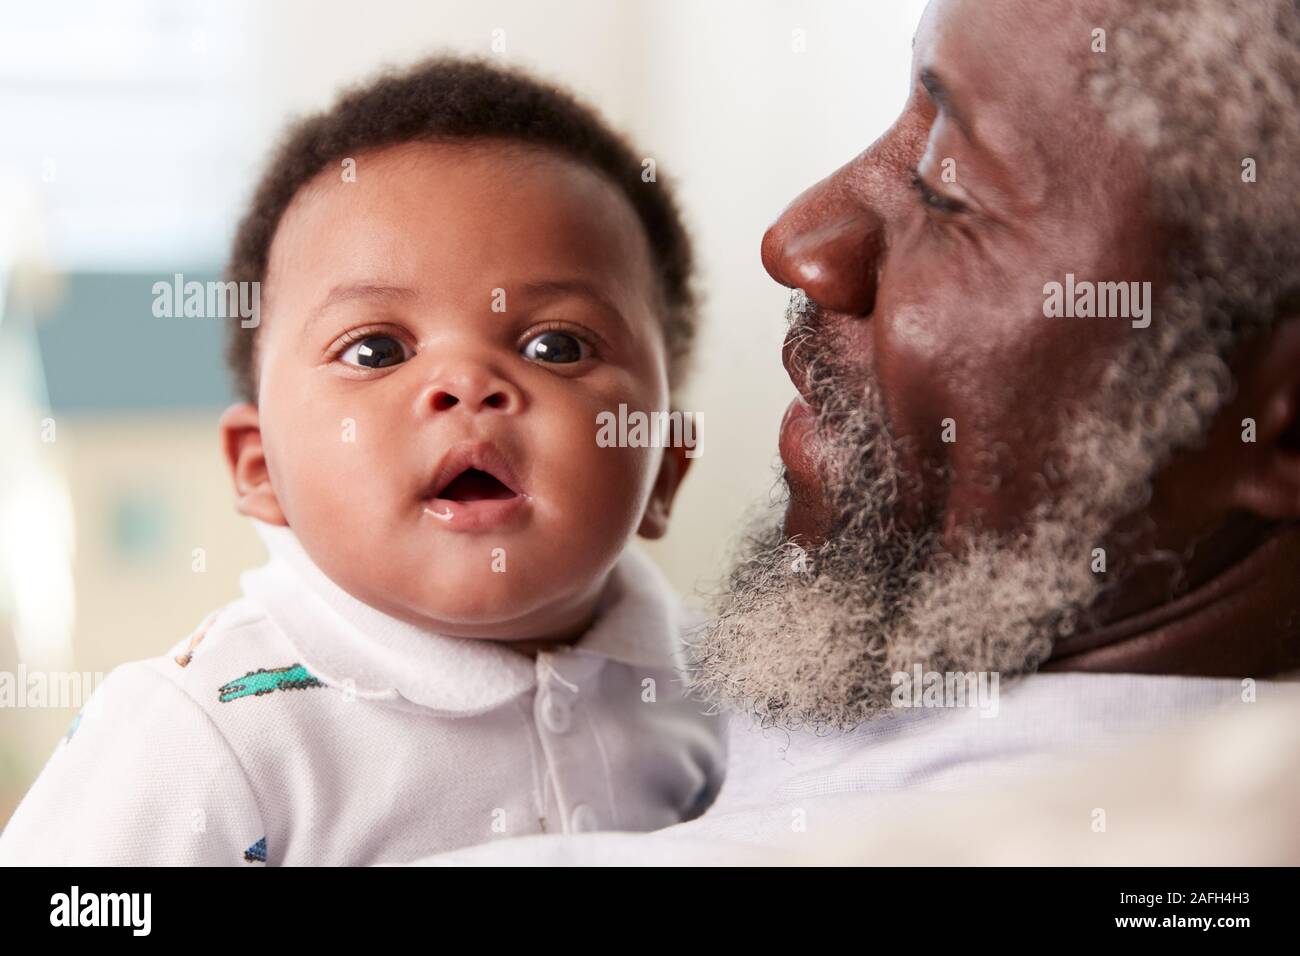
x=516, y=583
x=496, y=601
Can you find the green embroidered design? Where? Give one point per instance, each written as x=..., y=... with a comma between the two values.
x=264, y=681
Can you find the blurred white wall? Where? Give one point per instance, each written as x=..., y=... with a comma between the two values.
x=130, y=121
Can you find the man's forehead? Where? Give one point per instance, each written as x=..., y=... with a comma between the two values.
x=1002, y=60
x=1008, y=39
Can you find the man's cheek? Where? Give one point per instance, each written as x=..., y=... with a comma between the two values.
x=917, y=382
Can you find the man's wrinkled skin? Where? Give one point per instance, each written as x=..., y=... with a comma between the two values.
x=929, y=294
x=944, y=309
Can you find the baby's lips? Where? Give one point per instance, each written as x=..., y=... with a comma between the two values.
x=463, y=456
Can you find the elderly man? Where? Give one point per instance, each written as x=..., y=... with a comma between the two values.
x=1046, y=335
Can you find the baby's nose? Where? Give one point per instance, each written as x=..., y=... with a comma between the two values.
x=472, y=390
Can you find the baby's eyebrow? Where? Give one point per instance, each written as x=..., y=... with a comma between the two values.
x=347, y=292
x=351, y=291
x=558, y=288
x=542, y=289
x=565, y=287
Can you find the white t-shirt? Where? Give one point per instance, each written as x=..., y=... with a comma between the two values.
x=310, y=729
x=786, y=793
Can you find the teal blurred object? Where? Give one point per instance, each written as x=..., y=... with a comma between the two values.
x=139, y=522
x=104, y=351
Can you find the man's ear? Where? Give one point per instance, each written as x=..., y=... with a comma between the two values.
x=672, y=469
x=1269, y=485
x=241, y=439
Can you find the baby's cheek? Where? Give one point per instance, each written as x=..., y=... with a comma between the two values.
x=328, y=461
x=602, y=487
x=619, y=479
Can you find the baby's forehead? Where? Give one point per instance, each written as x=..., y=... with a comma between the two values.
x=462, y=219
x=522, y=184
x=419, y=159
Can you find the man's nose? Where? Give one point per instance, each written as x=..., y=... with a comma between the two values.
x=470, y=387
x=829, y=244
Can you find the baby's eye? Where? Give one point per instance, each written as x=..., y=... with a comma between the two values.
x=375, y=351
x=554, y=347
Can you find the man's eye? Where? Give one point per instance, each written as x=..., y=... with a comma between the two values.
x=375, y=351
x=555, y=347
x=933, y=199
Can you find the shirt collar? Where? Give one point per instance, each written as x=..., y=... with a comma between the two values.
x=346, y=643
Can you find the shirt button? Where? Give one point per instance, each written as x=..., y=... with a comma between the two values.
x=584, y=819
x=557, y=713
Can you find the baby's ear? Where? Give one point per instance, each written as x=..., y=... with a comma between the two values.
x=672, y=469
x=241, y=439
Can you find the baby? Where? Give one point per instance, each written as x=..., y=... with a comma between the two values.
x=460, y=269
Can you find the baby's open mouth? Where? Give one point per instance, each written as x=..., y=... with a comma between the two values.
x=474, y=484
x=475, y=489
x=473, y=478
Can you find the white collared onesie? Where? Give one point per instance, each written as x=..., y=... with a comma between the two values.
x=306, y=728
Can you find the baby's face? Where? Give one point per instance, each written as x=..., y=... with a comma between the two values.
x=439, y=337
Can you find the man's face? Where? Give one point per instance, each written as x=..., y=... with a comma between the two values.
x=943, y=456
x=926, y=258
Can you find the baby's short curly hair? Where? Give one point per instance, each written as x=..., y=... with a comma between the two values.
x=454, y=98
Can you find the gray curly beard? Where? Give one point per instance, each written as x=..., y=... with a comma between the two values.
x=812, y=639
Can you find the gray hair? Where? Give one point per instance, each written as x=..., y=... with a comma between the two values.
x=1209, y=88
